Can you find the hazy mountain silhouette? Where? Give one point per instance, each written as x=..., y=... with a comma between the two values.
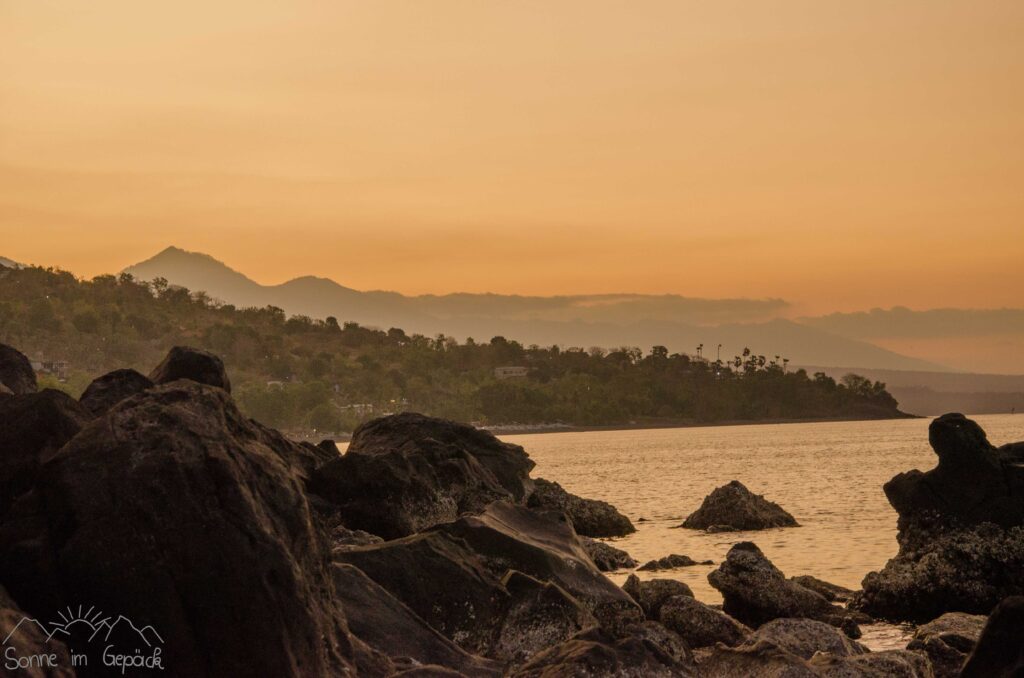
x=680, y=323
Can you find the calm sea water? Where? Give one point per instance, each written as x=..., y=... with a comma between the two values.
x=828, y=475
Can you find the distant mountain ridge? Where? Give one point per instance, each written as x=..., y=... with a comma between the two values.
x=610, y=320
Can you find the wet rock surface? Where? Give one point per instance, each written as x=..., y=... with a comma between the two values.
x=961, y=530
x=734, y=507
x=590, y=517
x=406, y=473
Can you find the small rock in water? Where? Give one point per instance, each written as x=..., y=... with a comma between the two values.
x=734, y=507
x=671, y=562
x=607, y=557
x=590, y=517
x=651, y=594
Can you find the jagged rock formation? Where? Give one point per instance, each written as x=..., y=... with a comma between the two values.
x=590, y=517
x=734, y=507
x=961, y=529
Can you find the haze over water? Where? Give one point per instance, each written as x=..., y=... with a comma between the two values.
x=828, y=475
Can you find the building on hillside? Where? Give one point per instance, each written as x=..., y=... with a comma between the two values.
x=57, y=368
x=511, y=372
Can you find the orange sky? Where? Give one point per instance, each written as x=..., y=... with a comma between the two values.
x=840, y=155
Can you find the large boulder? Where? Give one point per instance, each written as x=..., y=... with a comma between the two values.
x=16, y=371
x=652, y=593
x=605, y=556
x=999, y=652
x=32, y=428
x=590, y=517
x=736, y=507
x=386, y=624
x=30, y=648
x=176, y=511
x=806, y=637
x=961, y=529
x=948, y=640
x=184, y=362
x=110, y=389
x=701, y=625
x=756, y=592
x=406, y=473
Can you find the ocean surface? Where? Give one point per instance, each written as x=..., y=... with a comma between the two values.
x=828, y=475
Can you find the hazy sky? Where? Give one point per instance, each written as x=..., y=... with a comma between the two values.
x=841, y=155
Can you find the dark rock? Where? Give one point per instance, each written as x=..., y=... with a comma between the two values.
x=806, y=637
x=596, y=653
x=512, y=537
x=4, y=391
x=830, y=592
x=652, y=593
x=539, y=615
x=671, y=562
x=16, y=371
x=1000, y=649
x=19, y=631
x=184, y=362
x=755, y=591
x=885, y=664
x=758, y=660
x=405, y=473
x=32, y=428
x=664, y=639
x=961, y=529
x=590, y=517
x=440, y=579
x=947, y=641
x=735, y=506
x=344, y=538
x=384, y=623
x=175, y=510
x=605, y=556
x=110, y=389
x=700, y=625
x=509, y=464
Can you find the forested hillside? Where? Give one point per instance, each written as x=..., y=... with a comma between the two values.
x=303, y=373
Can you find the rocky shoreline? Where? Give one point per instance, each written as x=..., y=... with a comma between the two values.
x=429, y=550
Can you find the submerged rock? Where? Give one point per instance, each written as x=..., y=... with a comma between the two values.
x=406, y=473
x=16, y=371
x=590, y=517
x=671, y=562
x=110, y=389
x=961, y=530
x=701, y=625
x=185, y=362
x=605, y=556
x=947, y=641
x=999, y=652
x=734, y=506
x=652, y=593
x=176, y=511
x=756, y=592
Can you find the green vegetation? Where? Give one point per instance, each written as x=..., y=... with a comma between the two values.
x=303, y=373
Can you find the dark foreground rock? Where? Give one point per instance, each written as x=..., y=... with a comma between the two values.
x=756, y=592
x=110, y=389
x=22, y=639
x=406, y=473
x=961, y=530
x=806, y=637
x=999, y=652
x=700, y=625
x=32, y=428
x=948, y=640
x=652, y=593
x=176, y=511
x=16, y=371
x=590, y=517
x=605, y=556
x=185, y=362
x=671, y=562
x=596, y=653
x=734, y=506
x=764, y=659
x=887, y=664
